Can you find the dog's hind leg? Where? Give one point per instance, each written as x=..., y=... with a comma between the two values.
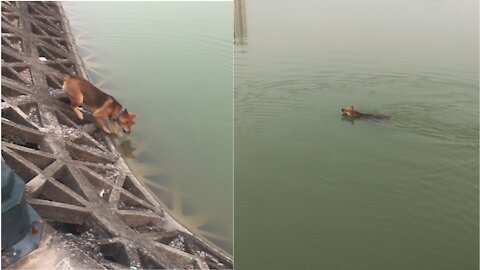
x=76, y=99
x=75, y=104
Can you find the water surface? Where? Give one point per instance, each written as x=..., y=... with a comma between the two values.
x=313, y=191
x=172, y=63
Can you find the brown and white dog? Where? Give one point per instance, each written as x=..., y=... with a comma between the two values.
x=101, y=105
x=354, y=114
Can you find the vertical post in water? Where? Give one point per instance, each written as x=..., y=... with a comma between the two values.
x=240, y=23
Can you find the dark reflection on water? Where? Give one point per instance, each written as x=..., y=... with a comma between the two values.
x=126, y=149
x=326, y=192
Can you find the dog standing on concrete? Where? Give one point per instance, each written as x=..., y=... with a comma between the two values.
x=101, y=105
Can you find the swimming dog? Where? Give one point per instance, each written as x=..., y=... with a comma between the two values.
x=101, y=105
x=354, y=114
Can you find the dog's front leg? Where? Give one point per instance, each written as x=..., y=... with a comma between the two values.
x=101, y=124
x=114, y=127
x=78, y=112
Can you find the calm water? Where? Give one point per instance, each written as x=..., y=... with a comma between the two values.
x=172, y=63
x=315, y=192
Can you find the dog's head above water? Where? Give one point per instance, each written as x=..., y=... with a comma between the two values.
x=350, y=111
x=125, y=120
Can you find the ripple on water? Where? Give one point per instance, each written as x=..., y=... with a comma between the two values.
x=430, y=104
x=445, y=122
x=433, y=137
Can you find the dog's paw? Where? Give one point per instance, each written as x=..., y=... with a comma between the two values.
x=79, y=114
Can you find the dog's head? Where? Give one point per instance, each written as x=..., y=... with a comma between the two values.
x=125, y=120
x=349, y=111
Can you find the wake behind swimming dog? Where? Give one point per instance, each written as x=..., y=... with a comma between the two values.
x=354, y=114
x=101, y=105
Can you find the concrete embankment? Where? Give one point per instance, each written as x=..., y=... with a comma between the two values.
x=97, y=214
x=240, y=22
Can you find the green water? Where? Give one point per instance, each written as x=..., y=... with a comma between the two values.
x=313, y=191
x=172, y=63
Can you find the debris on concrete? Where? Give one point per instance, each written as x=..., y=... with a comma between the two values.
x=32, y=115
x=11, y=138
x=55, y=91
x=178, y=243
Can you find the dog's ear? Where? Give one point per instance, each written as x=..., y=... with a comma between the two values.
x=351, y=106
x=133, y=115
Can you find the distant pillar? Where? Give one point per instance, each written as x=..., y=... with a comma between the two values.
x=240, y=23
